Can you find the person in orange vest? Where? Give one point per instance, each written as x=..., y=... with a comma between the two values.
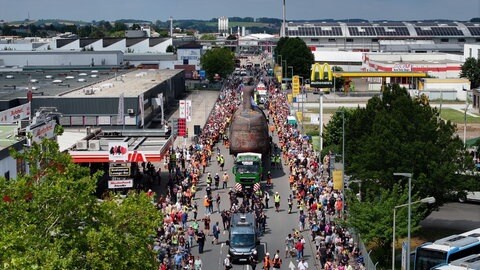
x=338, y=207
x=206, y=203
x=277, y=262
x=267, y=262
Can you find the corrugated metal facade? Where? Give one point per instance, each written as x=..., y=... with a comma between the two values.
x=103, y=111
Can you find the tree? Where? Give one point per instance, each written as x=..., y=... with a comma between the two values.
x=297, y=55
x=119, y=26
x=471, y=71
x=52, y=220
x=170, y=49
x=398, y=134
x=373, y=217
x=218, y=61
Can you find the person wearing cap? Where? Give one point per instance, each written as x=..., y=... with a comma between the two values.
x=222, y=162
x=227, y=263
x=276, y=262
x=267, y=262
x=206, y=203
x=276, y=199
x=253, y=260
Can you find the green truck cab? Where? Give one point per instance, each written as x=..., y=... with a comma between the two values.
x=248, y=168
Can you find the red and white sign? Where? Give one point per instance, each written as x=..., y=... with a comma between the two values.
x=126, y=183
x=117, y=151
x=15, y=114
x=43, y=131
x=182, y=108
x=402, y=67
x=137, y=157
x=188, y=110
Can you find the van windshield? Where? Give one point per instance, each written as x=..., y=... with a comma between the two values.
x=242, y=240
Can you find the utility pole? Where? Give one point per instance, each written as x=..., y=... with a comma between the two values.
x=283, y=31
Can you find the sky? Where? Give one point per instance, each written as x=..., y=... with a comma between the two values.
x=152, y=10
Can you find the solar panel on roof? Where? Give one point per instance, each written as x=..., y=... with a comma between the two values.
x=475, y=31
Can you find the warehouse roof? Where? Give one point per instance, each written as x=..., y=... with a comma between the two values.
x=130, y=84
x=15, y=84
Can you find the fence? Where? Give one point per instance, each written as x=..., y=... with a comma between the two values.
x=369, y=265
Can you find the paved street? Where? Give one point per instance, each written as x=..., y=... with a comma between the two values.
x=278, y=224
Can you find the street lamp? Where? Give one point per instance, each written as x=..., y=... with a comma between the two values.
x=465, y=118
x=409, y=175
x=429, y=200
x=343, y=162
x=280, y=59
x=320, y=120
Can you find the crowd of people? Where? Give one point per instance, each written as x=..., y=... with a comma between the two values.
x=318, y=204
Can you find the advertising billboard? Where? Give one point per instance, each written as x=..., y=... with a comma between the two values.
x=321, y=76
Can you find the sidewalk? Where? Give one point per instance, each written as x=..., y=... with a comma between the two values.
x=202, y=104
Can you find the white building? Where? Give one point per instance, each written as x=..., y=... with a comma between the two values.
x=223, y=25
x=471, y=50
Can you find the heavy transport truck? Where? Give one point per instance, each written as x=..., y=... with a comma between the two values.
x=249, y=143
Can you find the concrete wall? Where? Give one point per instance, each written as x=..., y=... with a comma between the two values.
x=117, y=46
x=471, y=50
x=436, y=86
x=140, y=47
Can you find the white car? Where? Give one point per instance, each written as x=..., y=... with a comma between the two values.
x=470, y=196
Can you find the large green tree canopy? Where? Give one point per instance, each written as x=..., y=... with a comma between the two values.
x=52, y=220
x=396, y=134
x=297, y=54
x=219, y=61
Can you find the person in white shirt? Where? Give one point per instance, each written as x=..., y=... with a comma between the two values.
x=302, y=265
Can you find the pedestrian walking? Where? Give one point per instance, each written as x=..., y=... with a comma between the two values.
x=299, y=247
x=276, y=262
x=217, y=201
x=303, y=265
x=225, y=180
x=227, y=263
x=216, y=233
x=267, y=198
x=198, y=263
x=200, y=241
x=276, y=199
x=216, y=178
x=267, y=263
x=253, y=260
x=222, y=162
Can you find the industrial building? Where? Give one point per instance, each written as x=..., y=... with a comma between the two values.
x=385, y=36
